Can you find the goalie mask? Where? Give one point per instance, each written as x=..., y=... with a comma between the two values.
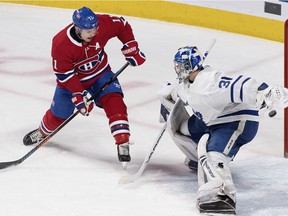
x=187, y=60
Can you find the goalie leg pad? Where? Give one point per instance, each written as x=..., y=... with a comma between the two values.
x=177, y=121
x=177, y=116
x=217, y=191
x=271, y=98
x=186, y=145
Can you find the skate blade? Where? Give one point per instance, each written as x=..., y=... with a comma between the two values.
x=124, y=165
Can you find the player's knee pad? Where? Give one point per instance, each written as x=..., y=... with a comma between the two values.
x=49, y=123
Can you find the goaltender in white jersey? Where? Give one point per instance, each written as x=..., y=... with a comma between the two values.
x=216, y=98
x=213, y=114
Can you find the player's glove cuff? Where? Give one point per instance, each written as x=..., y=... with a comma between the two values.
x=81, y=102
x=132, y=53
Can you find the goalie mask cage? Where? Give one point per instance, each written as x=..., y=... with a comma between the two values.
x=286, y=85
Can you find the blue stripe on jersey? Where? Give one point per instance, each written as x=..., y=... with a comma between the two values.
x=241, y=90
x=232, y=89
x=63, y=77
x=242, y=112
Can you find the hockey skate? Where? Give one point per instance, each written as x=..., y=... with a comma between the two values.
x=221, y=204
x=33, y=137
x=123, y=152
x=191, y=164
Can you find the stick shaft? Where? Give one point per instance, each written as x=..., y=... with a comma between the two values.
x=4, y=165
x=134, y=177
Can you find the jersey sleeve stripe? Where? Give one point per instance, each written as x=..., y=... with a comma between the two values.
x=63, y=77
x=242, y=112
x=233, y=89
x=242, y=88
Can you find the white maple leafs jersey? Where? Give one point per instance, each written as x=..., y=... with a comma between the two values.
x=216, y=98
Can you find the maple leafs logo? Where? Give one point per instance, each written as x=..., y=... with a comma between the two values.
x=199, y=116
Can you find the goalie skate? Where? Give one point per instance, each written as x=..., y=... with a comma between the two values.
x=222, y=204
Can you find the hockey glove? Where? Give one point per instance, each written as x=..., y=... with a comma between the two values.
x=167, y=102
x=81, y=102
x=132, y=53
x=270, y=98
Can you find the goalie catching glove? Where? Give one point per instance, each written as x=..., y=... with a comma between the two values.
x=270, y=98
x=81, y=102
x=132, y=53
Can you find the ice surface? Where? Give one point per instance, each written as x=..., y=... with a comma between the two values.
x=77, y=172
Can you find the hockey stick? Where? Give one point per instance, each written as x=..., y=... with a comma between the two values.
x=209, y=49
x=164, y=112
x=4, y=165
x=126, y=179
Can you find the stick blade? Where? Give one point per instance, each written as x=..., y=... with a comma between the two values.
x=4, y=165
x=127, y=179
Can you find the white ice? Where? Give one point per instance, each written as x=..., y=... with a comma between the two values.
x=77, y=171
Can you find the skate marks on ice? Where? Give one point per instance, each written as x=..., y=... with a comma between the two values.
x=261, y=186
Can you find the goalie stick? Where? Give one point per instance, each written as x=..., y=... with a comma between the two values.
x=209, y=49
x=126, y=179
x=4, y=165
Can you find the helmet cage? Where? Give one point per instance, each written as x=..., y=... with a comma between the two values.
x=187, y=60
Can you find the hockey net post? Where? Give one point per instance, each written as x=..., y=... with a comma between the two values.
x=286, y=85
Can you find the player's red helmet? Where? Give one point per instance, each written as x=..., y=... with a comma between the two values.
x=85, y=18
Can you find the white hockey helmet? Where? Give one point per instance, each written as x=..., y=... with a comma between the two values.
x=187, y=60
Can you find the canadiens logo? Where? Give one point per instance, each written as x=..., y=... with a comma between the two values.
x=89, y=65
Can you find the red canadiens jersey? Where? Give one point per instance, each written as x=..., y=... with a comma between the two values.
x=77, y=65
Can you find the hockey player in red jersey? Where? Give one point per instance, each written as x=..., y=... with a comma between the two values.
x=81, y=66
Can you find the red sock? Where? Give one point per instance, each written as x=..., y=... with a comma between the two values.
x=49, y=123
x=116, y=112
